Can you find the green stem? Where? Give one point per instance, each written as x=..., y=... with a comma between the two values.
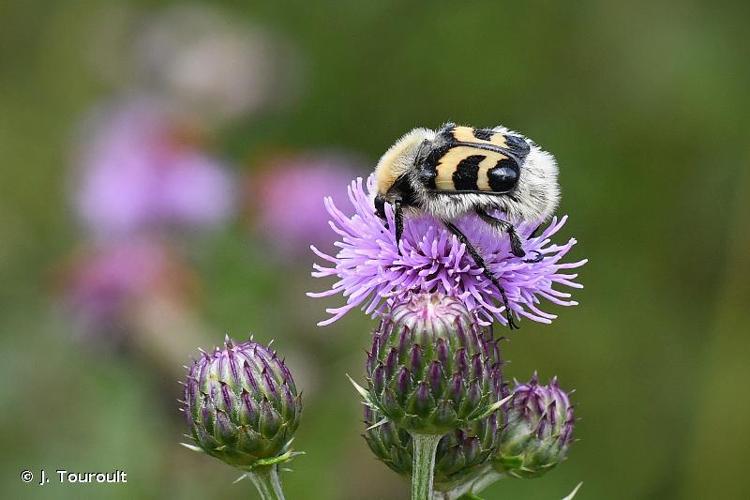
x=491, y=477
x=425, y=446
x=471, y=486
x=266, y=479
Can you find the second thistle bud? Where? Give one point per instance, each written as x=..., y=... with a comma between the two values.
x=538, y=430
x=241, y=405
x=458, y=454
x=430, y=369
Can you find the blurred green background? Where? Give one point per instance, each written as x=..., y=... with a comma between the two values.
x=645, y=105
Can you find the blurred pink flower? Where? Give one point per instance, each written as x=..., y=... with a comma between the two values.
x=106, y=281
x=138, y=171
x=290, y=192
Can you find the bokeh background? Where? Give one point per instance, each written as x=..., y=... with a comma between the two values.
x=162, y=167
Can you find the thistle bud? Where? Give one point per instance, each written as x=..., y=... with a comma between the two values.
x=538, y=430
x=241, y=405
x=459, y=453
x=431, y=370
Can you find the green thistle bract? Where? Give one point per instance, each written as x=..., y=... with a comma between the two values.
x=538, y=430
x=431, y=370
x=458, y=455
x=241, y=405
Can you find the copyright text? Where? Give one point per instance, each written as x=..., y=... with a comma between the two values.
x=63, y=476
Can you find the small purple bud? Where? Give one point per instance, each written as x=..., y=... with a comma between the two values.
x=241, y=403
x=538, y=430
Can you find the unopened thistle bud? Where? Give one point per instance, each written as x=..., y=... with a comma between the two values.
x=242, y=406
x=538, y=430
x=431, y=370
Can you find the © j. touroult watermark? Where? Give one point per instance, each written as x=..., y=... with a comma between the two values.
x=64, y=476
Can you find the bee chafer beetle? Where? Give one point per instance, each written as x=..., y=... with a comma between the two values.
x=458, y=170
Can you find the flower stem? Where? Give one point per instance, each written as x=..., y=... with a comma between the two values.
x=470, y=487
x=425, y=446
x=266, y=479
x=489, y=478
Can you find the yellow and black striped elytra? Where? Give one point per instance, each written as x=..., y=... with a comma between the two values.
x=499, y=176
x=467, y=159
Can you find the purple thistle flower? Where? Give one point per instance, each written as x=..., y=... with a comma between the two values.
x=138, y=172
x=373, y=275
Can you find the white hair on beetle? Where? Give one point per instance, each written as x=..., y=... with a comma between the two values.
x=399, y=158
x=537, y=191
x=534, y=198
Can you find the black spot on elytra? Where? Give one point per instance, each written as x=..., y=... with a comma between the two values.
x=483, y=134
x=467, y=170
x=428, y=168
x=504, y=176
x=517, y=145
